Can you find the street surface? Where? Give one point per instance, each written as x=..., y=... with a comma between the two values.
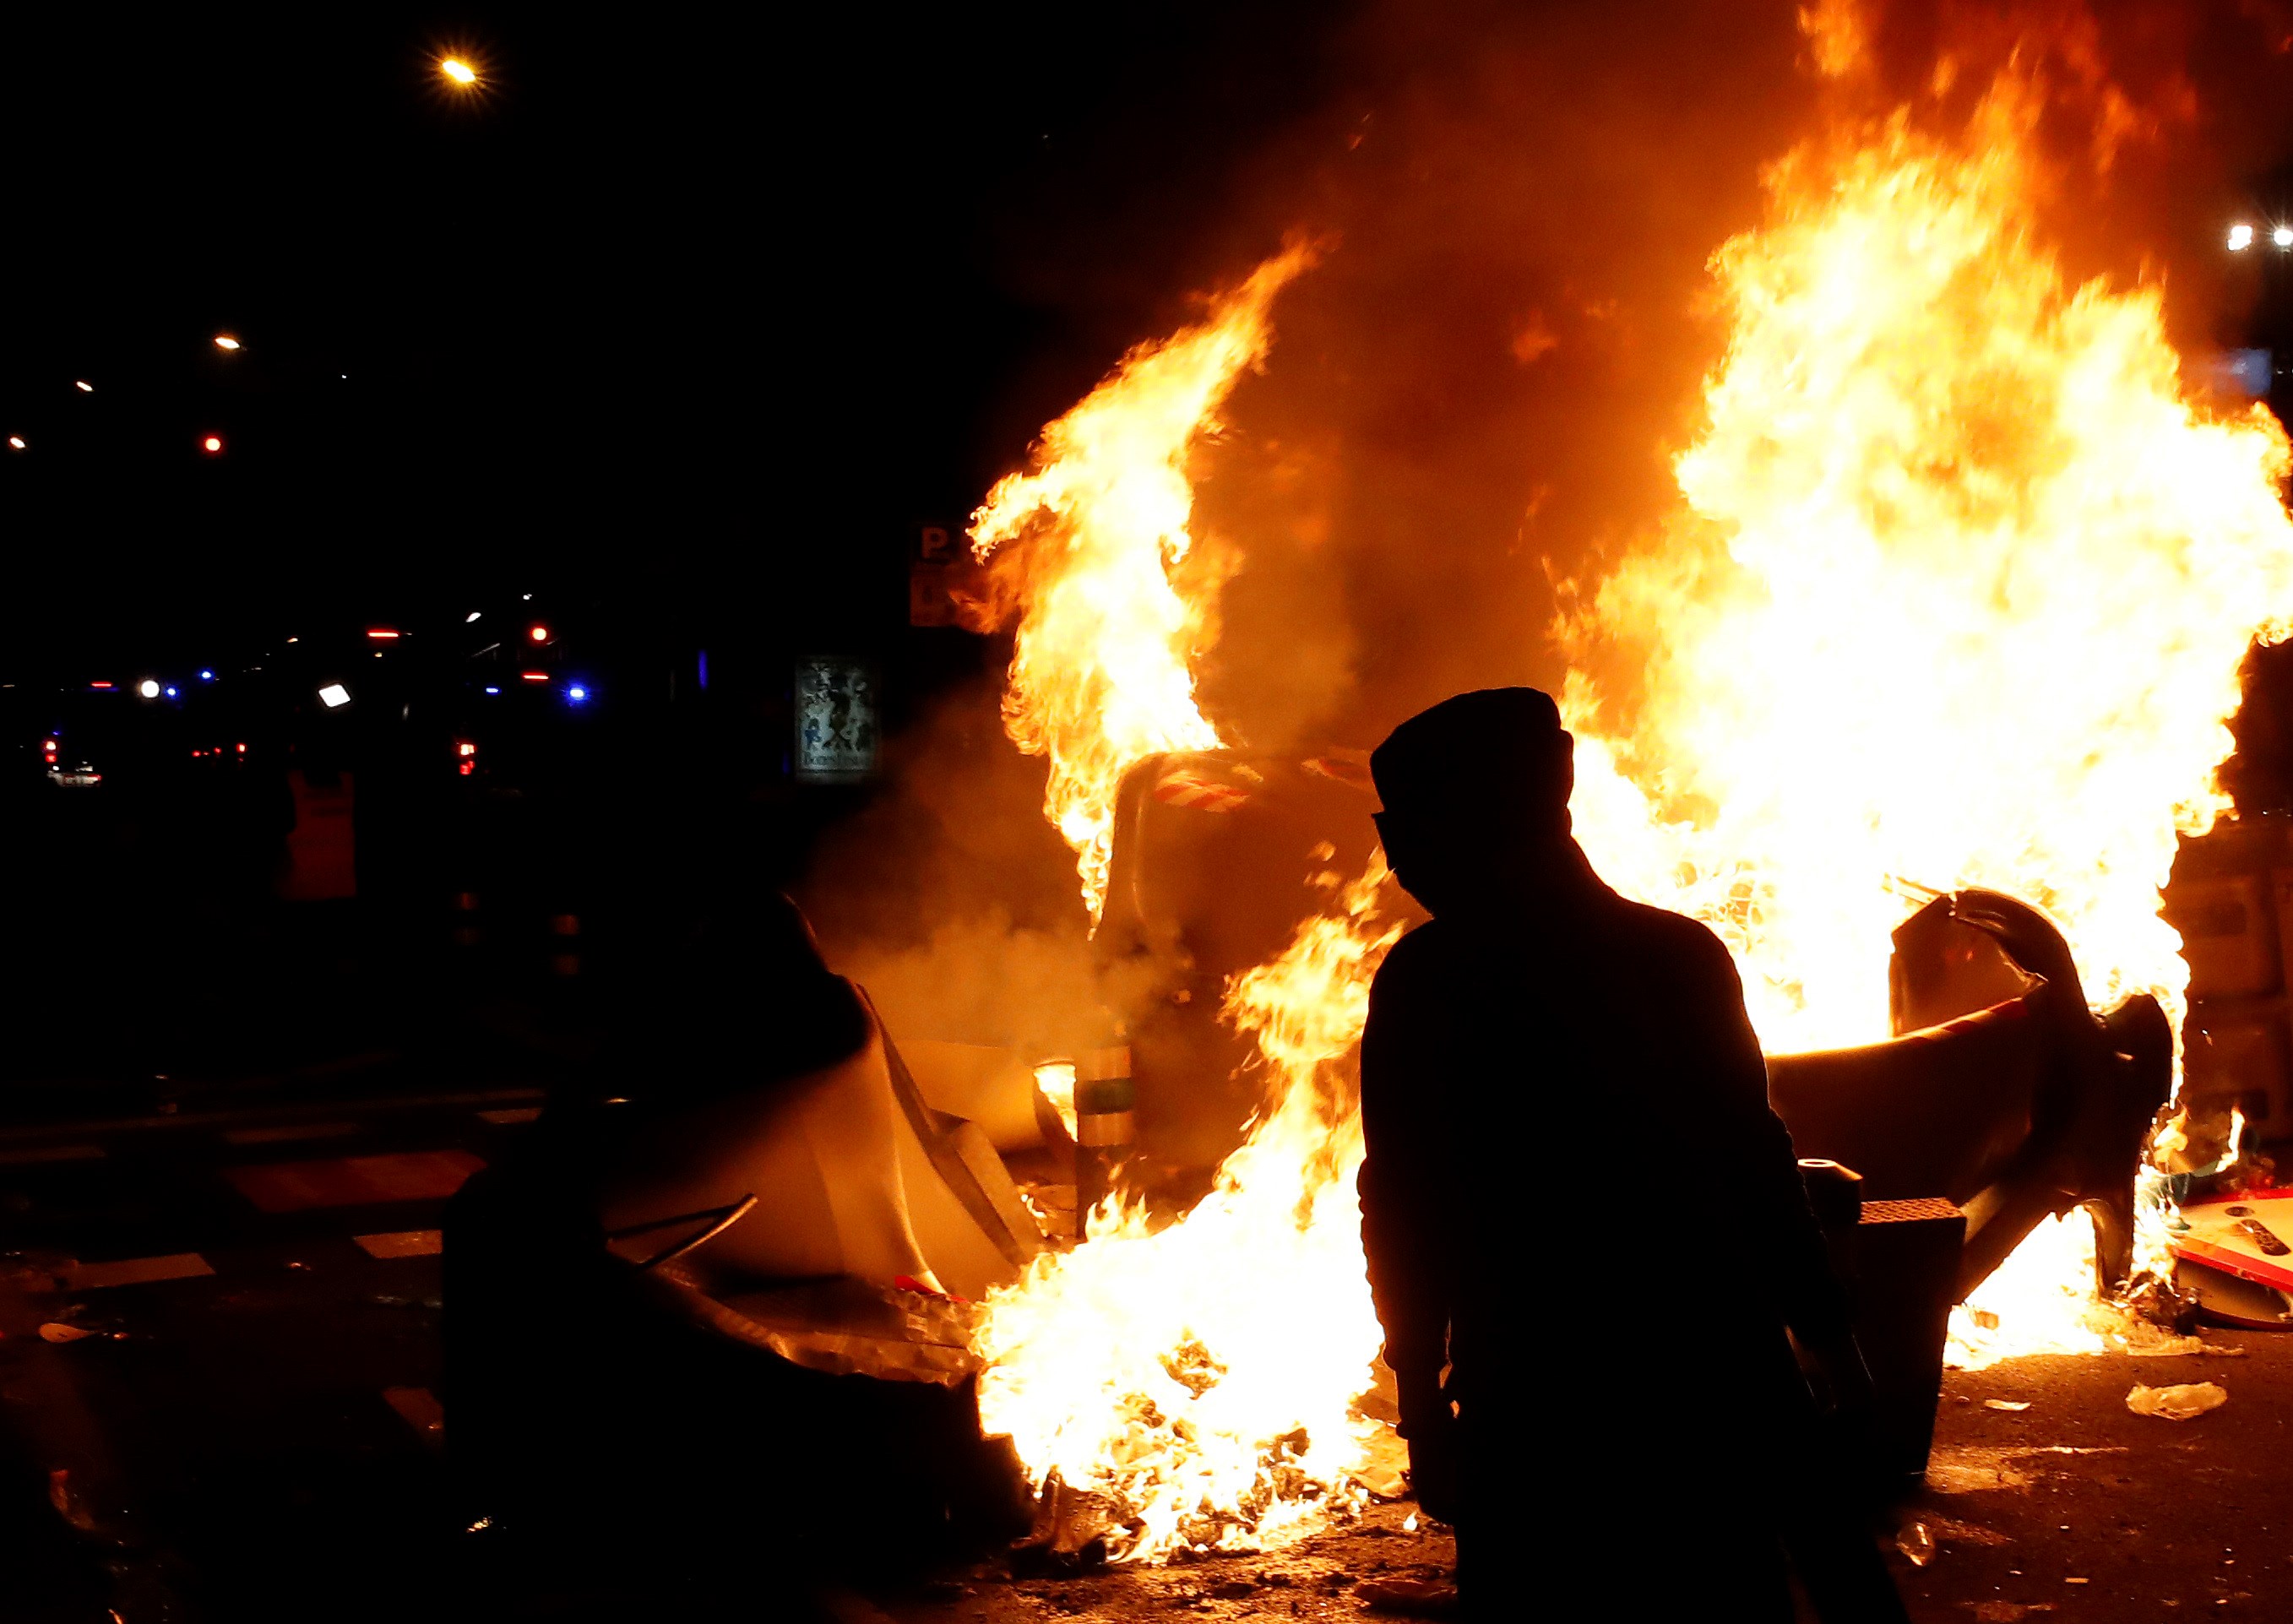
x=2072, y=1510
x=218, y=1402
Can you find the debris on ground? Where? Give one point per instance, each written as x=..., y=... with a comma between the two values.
x=1917, y=1542
x=1417, y=1598
x=2005, y=1403
x=56, y=1331
x=2177, y=1403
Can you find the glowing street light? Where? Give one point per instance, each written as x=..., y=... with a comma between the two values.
x=15, y=442
x=2282, y=236
x=2240, y=237
x=540, y=634
x=84, y=386
x=211, y=444
x=224, y=340
x=148, y=688
x=458, y=71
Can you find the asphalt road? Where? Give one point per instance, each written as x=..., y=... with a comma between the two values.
x=220, y=1327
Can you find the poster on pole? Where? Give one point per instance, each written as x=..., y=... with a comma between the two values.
x=836, y=720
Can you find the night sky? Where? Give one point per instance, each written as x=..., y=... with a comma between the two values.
x=677, y=310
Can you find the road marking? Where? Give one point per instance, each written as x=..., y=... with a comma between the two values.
x=290, y=1132
x=135, y=1271
x=525, y=1115
x=52, y=1152
x=402, y=1243
x=354, y=1181
x=420, y=1409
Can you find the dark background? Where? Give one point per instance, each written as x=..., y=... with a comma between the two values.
x=697, y=311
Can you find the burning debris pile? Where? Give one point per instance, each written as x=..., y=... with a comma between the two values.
x=1956, y=595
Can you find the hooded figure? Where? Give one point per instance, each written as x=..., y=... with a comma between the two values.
x=1560, y=1087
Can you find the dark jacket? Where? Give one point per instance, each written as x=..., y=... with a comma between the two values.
x=1567, y=1118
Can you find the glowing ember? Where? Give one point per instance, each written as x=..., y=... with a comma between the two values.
x=1091, y=545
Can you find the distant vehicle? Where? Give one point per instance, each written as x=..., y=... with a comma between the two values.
x=78, y=776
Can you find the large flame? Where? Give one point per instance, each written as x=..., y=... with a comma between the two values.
x=1100, y=672
x=1959, y=598
x=1202, y=1377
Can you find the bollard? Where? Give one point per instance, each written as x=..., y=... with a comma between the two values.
x=1106, y=1125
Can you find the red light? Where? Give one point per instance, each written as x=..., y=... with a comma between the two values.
x=465, y=748
x=468, y=767
x=99, y=684
x=242, y=749
x=535, y=676
x=382, y=634
x=211, y=444
x=540, y=634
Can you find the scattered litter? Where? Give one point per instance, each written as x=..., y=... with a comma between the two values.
x=1951, y=1530
x=2010, y=1613
x=1409, y=1523
x=2144, y=1340
x=1967, y=1469
x=56, y=1331
x=2005, y=1403
x=2177, y=1403
x=1917, y=1542
x=1424, y=1598
x=2076, y=1582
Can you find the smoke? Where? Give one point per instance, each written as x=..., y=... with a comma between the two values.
x=952, y=902
x=1474, y=400
x=1478, y=393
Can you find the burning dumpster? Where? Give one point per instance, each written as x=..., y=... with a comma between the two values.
x=2001, y=1099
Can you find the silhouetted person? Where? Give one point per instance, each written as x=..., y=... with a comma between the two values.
x=1577, y=1198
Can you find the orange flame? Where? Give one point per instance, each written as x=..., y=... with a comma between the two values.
x=1959, y=598
x=1202, y=1377
x=1099, y=672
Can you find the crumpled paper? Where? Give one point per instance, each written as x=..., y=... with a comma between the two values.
x=2177, y=1403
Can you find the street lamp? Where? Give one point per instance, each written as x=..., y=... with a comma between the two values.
x=224, y=340
x=458, y=72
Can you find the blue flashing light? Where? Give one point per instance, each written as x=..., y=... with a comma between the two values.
x=493, y=690
x=577, y=693
x=206, y=676
x=171, y=693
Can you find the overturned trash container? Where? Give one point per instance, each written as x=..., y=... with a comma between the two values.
x=720, y=1313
